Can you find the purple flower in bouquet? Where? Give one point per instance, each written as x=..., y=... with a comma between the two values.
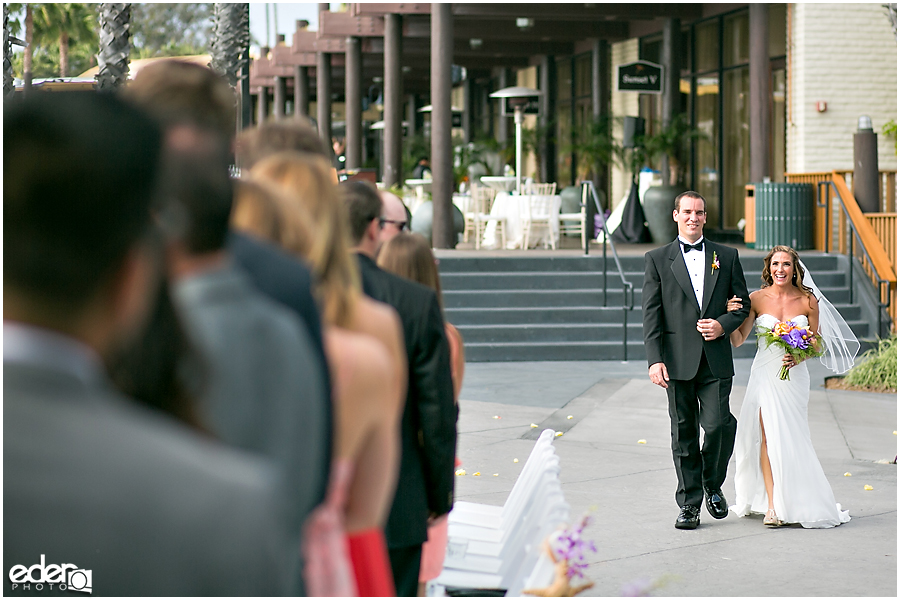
x=796, y=340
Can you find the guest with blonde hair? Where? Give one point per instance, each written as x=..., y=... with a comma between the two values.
x=364, y=347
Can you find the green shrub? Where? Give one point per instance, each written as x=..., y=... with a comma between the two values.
x=878, y=369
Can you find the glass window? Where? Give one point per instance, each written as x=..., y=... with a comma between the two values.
x=583, y=75
x=652, y=50
x=777, y=30
x=563, y=142
x=736, y=160
x=706, y=165
x=778, y=121
x=706, y=46
x=564, y=80
x=737, y=40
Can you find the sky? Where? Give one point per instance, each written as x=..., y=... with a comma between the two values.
x=288, y=14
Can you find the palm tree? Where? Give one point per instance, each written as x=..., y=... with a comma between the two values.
x=115, y=45
x=230, y=38
x=8, y=86
x=65, y=22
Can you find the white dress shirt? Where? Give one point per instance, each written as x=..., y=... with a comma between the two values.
x=27, y=344
x=696, y=267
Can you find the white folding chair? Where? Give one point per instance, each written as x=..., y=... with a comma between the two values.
x=539, y=211
x=498, y=547
x=574, y=223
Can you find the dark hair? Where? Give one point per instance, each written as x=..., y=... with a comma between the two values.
x=180, y=92
x=409, y=255
x=688, y=194
x=161, y=368
x=273, y=137
x=196, y=179
x=797, y=276
x=363, y=205
x=79, y=178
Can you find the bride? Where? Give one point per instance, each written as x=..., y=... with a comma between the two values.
x=777, y=471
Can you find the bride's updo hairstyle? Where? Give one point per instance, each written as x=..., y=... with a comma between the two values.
x=797, y=277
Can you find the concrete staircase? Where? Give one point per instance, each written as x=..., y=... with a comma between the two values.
x=535, y=308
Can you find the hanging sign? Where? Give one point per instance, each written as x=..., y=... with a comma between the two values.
x=640, y=76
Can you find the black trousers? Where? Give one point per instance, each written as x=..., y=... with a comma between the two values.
x=405, y=564
x=701, y=401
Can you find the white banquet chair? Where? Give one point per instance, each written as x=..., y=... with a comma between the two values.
x=540, y=209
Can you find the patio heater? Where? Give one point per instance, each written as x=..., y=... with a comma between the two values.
x=519, y=99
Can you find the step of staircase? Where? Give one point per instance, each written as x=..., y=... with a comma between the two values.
x=537, y=308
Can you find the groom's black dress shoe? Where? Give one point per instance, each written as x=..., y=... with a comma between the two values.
x=716, y=503
x=688, y=518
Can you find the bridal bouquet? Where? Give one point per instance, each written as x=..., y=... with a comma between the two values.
x=800, y=342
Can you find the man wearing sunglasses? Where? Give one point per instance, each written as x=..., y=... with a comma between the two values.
x=394, y=217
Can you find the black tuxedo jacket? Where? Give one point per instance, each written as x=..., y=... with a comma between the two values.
x=671, y=312
x=428, y=429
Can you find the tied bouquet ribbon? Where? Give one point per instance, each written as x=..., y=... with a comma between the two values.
x=799, y=342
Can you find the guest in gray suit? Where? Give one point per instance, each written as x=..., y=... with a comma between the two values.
x=101, y=494
x=264, y=385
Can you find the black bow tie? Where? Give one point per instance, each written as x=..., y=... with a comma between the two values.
x=688, y=247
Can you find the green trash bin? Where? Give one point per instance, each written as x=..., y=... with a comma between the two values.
x=784, y=215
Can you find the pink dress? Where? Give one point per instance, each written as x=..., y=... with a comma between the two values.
x=435, y=547
x=327, y=569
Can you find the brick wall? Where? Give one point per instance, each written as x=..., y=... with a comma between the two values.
x=622, y=104
x=844, y=55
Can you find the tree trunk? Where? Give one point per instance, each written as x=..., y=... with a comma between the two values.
x=29, y=48
x=8, y=84
x=115, y=45
x=63, y=54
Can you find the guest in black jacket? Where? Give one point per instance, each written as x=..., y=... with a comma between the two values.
x=428, y=430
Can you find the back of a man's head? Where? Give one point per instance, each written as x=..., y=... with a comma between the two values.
x=196, y=181
x=197, y=108
x=363, y=205
x=79, y=176
x=253, y=145
x=180, y=92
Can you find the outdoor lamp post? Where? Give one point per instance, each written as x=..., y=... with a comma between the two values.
x=518, y=98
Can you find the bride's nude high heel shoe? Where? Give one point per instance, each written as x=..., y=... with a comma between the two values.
x=772, y=519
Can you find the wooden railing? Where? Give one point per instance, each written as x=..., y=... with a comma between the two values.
x=858, y=238
x=884, y=223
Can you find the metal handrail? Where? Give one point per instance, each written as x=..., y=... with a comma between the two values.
x=627, y=287
x=880, y=282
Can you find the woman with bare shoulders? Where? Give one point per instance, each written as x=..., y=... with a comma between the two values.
x=409, y=255
x=777, y=471
x=364, y=348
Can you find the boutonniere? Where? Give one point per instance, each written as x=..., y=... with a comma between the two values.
x=715, y=263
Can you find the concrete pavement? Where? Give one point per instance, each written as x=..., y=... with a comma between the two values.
x=631, y=486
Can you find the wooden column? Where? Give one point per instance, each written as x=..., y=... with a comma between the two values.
x=301, y=92
x=323, y=96
x=503, y=123
x=412, y=116
x=671, y=76
x=441, y=122
x=280, y=98
x=548, y=118
x=760, y=95
x=353, y=103
x=262, y=106
x=393, y=102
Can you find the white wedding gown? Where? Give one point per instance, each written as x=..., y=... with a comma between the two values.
x=802, y=493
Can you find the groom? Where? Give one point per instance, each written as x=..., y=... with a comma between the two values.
x=686, y=326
